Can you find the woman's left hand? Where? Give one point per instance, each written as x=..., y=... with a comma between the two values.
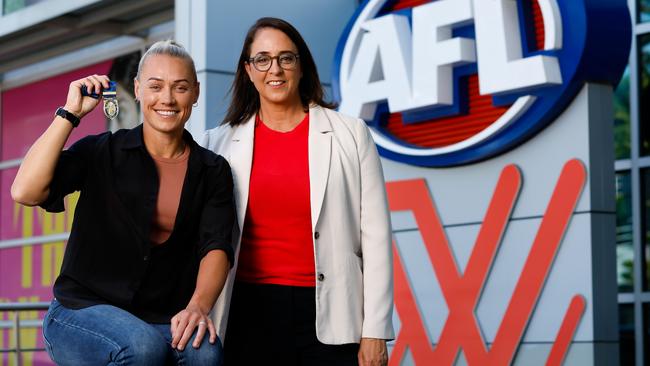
x=184, y=323
x=373, y=352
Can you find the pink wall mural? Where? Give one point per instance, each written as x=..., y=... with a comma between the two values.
x=27, y=273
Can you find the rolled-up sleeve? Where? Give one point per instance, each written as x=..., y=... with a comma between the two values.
x=70, y=173
x=218, y=215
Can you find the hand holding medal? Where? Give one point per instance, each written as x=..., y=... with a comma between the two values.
x=84, y=95
x=111, y=108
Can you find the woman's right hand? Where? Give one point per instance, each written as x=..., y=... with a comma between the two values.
x=80, y=105
x=32, y=183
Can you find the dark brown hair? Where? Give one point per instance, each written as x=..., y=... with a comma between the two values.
x=245, y=100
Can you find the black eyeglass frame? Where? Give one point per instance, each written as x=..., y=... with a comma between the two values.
x=251, y=61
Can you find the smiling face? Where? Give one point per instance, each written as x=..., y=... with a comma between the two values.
x=277, y=85
x=166, y=89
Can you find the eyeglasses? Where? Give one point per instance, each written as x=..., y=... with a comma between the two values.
x=286, y=60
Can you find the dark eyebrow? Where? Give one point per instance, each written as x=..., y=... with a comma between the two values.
x=279, y=53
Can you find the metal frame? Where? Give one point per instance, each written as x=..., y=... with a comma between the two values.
x=635, y=165
x=32, y=240
x=16, y=308
x=84, y=56
x=38, y=13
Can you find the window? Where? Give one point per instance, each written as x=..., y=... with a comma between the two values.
x=626, y=328
x=622, y=117
x=624, y=243
x=643, y=10
x=644, y=94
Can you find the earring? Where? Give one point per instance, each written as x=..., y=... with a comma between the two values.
x=196, y=104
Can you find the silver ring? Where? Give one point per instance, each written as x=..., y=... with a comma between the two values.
x=201, y=323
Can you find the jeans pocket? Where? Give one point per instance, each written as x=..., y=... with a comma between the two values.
x=54, y=308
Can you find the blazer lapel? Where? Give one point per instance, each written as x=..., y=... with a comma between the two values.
x=241, y=160
x=320, y=149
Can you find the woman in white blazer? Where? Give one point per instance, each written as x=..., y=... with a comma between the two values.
x=312, y=283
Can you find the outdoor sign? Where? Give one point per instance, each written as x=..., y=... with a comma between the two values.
x=452, y=82
x=505, y=256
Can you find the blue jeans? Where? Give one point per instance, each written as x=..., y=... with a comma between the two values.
x=108, y=335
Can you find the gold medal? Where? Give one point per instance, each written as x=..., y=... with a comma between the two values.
x=111, y=108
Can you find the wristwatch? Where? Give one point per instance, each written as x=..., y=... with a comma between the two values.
x=67, y=115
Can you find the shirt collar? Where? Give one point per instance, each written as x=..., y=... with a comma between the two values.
x=134, y=138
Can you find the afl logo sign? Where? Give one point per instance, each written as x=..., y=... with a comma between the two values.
x=451, y=82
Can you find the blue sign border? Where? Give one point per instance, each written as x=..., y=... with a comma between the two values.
x=596, y=46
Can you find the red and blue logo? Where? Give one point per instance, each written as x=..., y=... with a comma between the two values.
x=451, y=82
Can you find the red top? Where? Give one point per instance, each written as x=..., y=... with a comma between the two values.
x=277, y=245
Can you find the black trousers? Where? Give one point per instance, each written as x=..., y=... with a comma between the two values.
x=276, y=325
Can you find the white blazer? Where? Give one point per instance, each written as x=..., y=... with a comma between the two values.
x=350, y=223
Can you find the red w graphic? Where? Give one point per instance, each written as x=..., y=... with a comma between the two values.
x=463, y=291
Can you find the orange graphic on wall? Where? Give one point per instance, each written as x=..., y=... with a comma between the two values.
x=462, y=292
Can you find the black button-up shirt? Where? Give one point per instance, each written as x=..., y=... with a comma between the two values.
x=109, y=258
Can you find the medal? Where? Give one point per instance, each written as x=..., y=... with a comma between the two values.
x=111, y=108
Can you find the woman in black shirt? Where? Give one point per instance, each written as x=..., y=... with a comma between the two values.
x=124, y=295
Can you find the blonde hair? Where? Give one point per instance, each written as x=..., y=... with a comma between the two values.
x=167, y=47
